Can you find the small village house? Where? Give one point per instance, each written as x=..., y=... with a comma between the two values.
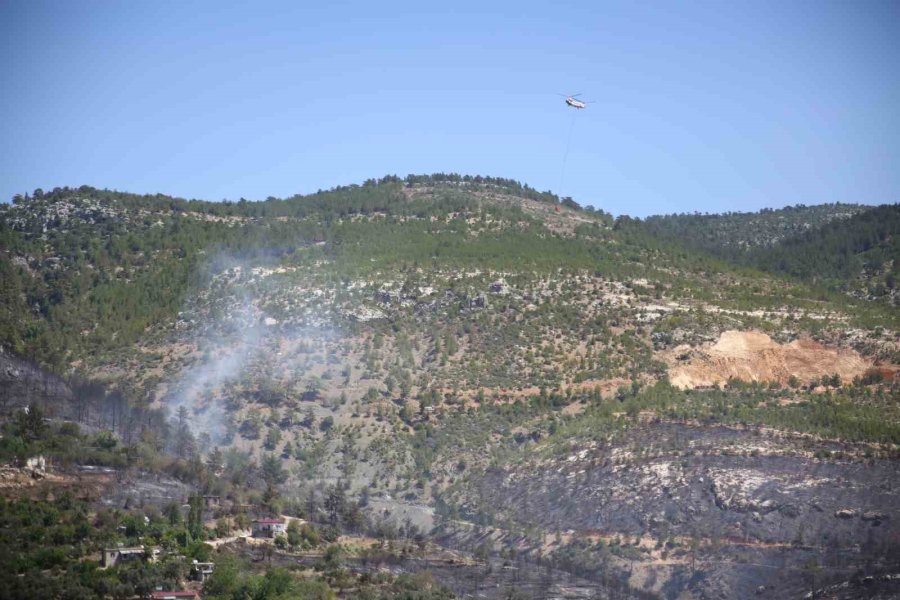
x=267, y=528
x=120, y=554
x=200, y=571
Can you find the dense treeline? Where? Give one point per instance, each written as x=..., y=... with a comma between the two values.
x=374, y=195
x=856, y=413
x=832, y=244
x=730, y=235
x=839, y=249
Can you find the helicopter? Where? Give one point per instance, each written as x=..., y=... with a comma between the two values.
x=574, y=102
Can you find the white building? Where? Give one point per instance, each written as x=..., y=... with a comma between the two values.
x=268, y=528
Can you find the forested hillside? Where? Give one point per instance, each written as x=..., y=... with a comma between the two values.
x=85, y=270
x=863, y=248
x=732, y=234
x=409, y=368
x=847, y=247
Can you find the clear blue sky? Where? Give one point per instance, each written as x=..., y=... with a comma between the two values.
x=704, y=106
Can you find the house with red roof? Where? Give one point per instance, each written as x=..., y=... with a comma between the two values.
x=267, y=528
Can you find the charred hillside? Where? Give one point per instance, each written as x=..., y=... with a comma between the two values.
x=452, y=374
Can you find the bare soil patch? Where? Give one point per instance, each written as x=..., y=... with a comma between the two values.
x=754, y=356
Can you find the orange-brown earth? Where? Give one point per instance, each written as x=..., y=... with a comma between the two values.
x=754, y=356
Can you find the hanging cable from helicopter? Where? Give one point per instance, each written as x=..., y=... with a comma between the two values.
x=573, y=101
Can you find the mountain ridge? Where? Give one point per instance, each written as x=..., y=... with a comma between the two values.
x=429, y=354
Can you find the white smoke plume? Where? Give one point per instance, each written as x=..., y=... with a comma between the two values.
x=235, y=335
